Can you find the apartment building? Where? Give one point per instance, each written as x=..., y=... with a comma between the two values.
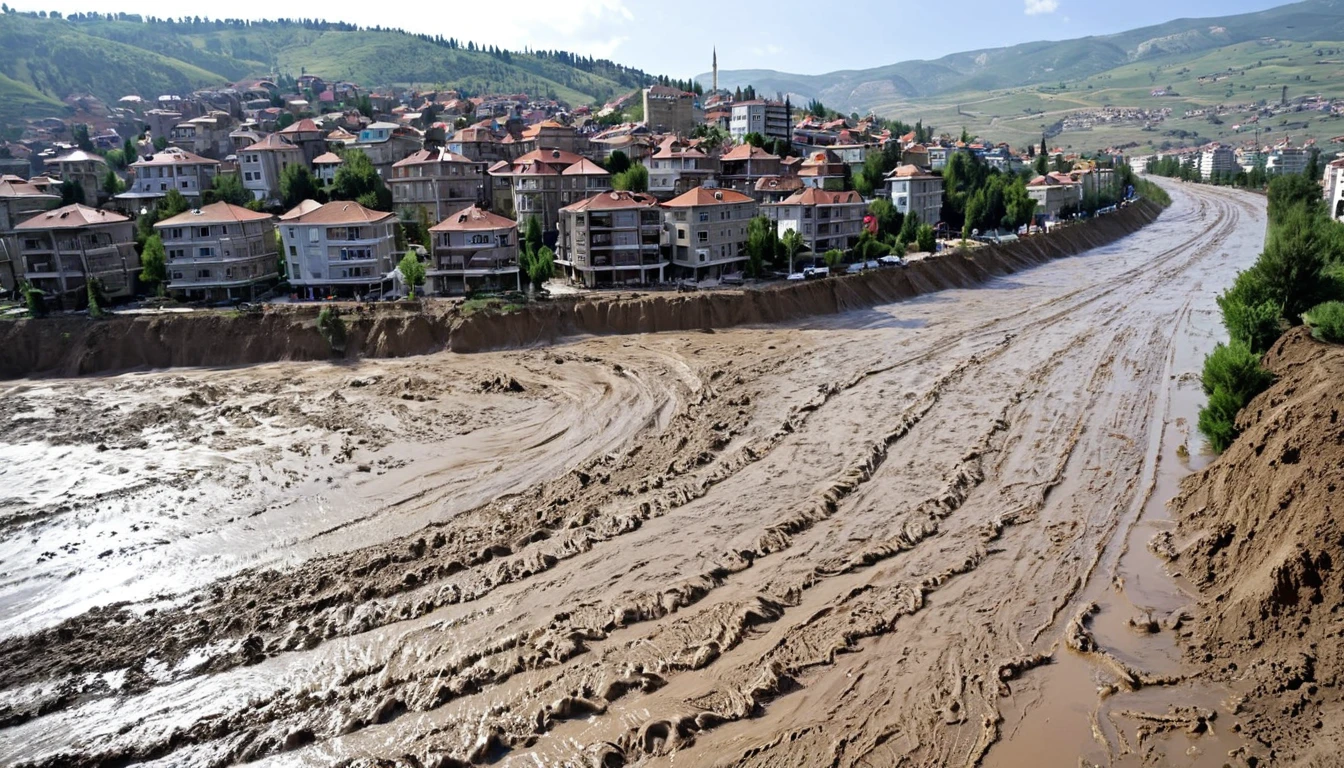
x=307, y=136
x=669, y=110
x=263, y=162
x=823, y=170
x=480, y=144
x=1287, y=160
x=677, y=168
x=543, y=181
x=1217, y=159
x=612, y=238
x=826, y=220
x=385, y=144
x=744, y=165
x=707, y=231
x=325, y=166
x=220, y=251
x=549, y=134
x=474, y=249
x=85, y=169
x=1053, y=193
x=207, y=135
x=61, y=248
x=437, y=180
x=19, y=201
x=768, y=118
x=916, y=191
x=340, y=248
x=172, y=168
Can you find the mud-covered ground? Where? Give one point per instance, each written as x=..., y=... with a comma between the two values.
x=911, y=535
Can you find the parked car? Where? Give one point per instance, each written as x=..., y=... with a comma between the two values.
x=892, y=260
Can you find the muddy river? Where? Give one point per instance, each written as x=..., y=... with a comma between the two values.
x=914, y=535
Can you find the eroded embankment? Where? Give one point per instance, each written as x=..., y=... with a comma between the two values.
x=74, y=346
x=1263, y=539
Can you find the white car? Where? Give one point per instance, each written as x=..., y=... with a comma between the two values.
x=796, y=276
x=892, y=260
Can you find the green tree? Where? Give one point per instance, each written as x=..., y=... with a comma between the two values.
x=1293, y=263
x=532, y=235
x=154, y=265
x=129, y=151
x=754, y=139
x=619, y=162
x=1018, y=204
x=160, y=143
x=541, y=267
x=357, y=179
x=80, y=132
x=909, y=232
x=762, y=244
x=35, y=299
x=889, y=220
x=228, y=188
x=172, y=204
x=1290, y=191
x=71, y=192
x=636, y=179
x=793, y=244
x=927, y=240
x=1042, y=165
x=95, y=307
x=833, y=258
x=1232, y=377
x=111, y=184
x=1251, y=312
x=412, y=271
x=296, y=185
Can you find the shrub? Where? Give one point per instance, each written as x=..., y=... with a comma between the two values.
x=1327, y=321
x=1232, y=377
x=1250, y=312
x=332, y=328
x=928, y=242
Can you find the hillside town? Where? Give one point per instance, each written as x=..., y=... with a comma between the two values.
x=302, y=188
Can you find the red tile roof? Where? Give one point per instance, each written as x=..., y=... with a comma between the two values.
x=748, y=152
x=338, y=212
x=610, y=201
x=71, y=217
x=13, y=186
x=585, y=167
x=473, y=218
x=272, y=143
x=328, y=158
x=215, y=213
x=306, y=125
x=814, y=196
x=428, y=156
x=173, y=156
x=910, y=172
x=706, y=196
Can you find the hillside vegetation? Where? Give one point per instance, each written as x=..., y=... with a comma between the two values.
x=58, y=57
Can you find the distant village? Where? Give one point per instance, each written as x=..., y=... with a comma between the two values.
x=311, y=189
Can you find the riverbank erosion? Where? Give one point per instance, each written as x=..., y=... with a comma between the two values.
x=74, y=346
x=1263, y=532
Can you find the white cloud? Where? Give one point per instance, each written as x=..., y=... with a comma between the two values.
x=1034, y=7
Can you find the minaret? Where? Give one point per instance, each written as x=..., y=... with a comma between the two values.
x=716, y=70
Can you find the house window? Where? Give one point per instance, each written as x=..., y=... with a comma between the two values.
x=228, y=272
x=503, y=241
x=184, y=184
x=205, y=252
x=177, y=275
x=177, y=233
x=202, y=273
x=203, y=232
x=312, y=235
x=702, y=237
x=704, y=216
x=681, y=234
x=479, y=239
x=293, y=251
x=176, y=253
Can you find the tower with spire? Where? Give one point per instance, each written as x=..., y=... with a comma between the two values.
x=716, y=70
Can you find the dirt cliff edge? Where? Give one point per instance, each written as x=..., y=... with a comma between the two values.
x=1262, y=538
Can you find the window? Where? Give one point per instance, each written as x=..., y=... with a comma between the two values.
x=200, y=273
x=228, y=272
x=681, y=234
x=177, y=233
x=247, y=175
x=807, y=229
x=163, y=187
x=205, y=252
x=203, y=232
x=480, y=239
x=702, y=237
x=704, y=216
x=184, y=184
x=504, y=241
x=312, y=234
x=176, y=253
x=177, y=275
x=293, y=251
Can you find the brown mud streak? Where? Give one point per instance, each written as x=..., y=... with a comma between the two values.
x=72, y=346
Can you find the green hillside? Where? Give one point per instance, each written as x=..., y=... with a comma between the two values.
x=1046, y=62
x=58, y=57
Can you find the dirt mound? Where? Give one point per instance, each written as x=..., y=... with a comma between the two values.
x=1264, y=542
x=76, y=346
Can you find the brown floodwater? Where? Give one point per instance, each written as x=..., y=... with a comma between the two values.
x=917, y=534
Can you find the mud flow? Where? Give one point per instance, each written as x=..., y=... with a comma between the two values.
x=922, y=534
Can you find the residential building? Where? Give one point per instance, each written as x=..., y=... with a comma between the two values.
x=669, y=110
x=826, y=220
x=437, y=180
x=478, y=143
x=207, y=135
x=768, y=118
x=341, y=248
x=744, y=165
x=19, y=201
x=85, y=169
x=1053, y=193
x=550, y=134
x=385, y=144
x=220, y=251
x=772, y=189
x=307, y=136
x=172, y=168
x=917, y=191
x=61, y=248
x=474, y=249
x=540, y=186
x=263, y=162
x=677, y=168
x=325, y=166
x=1287, y=160
x=1217, y=159
x=822, y=170
x=612, y=238
x=1334, y=188
x=707, y=231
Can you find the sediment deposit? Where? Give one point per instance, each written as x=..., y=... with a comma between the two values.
x=903, y=533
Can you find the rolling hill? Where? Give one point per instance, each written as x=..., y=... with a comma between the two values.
x=49, y=59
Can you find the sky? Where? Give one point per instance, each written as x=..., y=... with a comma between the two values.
x=676, y=38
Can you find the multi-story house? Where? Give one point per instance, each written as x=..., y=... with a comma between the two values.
x=772, y=189
x=744, y=165
x=707, y=231
x=207, y=135
x=479, y=143
x=669, y=110
x=540, y=187
x=826, y=220
x=60, y=249
x=341, y=248
x=1287, y=160
x=1334, y=188
x=172, y=168
x=474, y=249
x=385, y=144
x=85, y=169
x=437, y=180
x=1217, y=159
x=307, y=136
x=1053, y=193
x=916, y=191
x=823, y=170
x=324, y=168
x=220, y=251
x=19, y=201
x=549, y=134
x=677, y=168
x=263, y=162
x=612, y=238
x=768, y=118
